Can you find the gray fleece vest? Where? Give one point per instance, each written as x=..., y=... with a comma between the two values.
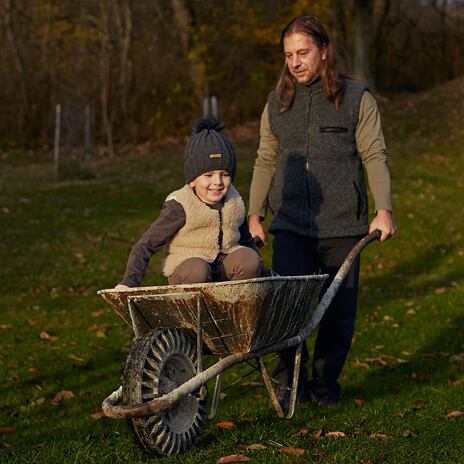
x=318, y=188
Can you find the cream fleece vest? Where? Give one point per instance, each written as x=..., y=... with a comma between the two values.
x=199, y=238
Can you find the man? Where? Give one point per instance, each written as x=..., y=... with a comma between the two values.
x=318, y=129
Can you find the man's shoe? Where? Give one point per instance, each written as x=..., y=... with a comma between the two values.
x=324, y=396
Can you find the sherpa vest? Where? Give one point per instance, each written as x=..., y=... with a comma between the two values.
x=318, y=188
x=200, y=235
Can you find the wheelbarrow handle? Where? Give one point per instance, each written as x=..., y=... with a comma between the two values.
x=330, y=293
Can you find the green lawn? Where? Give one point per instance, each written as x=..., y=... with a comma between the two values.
x=61, y=241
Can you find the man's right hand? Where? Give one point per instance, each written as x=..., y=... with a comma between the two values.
x=256, y=228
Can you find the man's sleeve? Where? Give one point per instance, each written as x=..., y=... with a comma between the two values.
x=370, y=143
x=170, y=220
x=264, y=169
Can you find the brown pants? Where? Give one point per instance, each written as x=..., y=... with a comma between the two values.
x=243, y=263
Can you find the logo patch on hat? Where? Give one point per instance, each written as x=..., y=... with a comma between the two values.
x=215, y=155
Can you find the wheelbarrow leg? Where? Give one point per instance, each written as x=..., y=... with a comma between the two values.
x=216, y=396
x=293, y=394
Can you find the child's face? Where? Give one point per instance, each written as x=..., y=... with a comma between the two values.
x=211, y=187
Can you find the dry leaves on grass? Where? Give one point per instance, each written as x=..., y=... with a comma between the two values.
x=226, y=425
x=46, y=336
x=359, y=402
x=6, y=326
x=253, y=447
x=233, y=458
x=63, y=395
x=379, y=436
x=293, y=451
x=457, y=357
x=7, y=429
x=97, y=413
x=456, y=413
x=335, y=434
x=408, y=434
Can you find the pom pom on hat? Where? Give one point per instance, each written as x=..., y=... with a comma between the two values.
x=208, y=149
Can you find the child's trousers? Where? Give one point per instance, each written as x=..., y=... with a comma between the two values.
x=243, y=263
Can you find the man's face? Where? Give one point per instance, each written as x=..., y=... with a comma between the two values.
x=212, y=186
x=304, y=59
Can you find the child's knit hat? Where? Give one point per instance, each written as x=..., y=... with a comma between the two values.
x=208, y=150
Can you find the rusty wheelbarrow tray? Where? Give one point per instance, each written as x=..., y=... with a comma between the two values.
x=164, y=391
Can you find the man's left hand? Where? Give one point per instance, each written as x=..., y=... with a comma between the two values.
x=385, y=223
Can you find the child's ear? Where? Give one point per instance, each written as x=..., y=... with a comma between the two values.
x=192, y=184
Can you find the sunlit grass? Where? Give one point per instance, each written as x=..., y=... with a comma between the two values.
x=62, y=240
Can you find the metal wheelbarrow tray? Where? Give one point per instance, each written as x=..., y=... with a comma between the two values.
x=163, y=393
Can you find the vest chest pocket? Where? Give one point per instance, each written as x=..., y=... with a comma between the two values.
x=334, y=130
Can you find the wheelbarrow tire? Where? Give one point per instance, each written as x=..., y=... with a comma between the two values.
x=160, y=361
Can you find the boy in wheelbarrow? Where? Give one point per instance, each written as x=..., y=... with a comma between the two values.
x=203, y=226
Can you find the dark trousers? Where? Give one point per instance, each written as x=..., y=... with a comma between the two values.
x=299, y=255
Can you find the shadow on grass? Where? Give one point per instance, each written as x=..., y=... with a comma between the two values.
x=430, y=365
x=418, y=275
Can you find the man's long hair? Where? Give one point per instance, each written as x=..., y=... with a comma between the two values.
x=330, y=78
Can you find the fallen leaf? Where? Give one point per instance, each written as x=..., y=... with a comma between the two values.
x=33, y=371
x=47, y=336
x=32, y=323
x=407, y=434
x=36, y=401
x=293, y=451
x=440, y=290
x=456, y=382
x=97, y=313
x=457, y=357
x=63, y=395
x=6, y=326
x=97, y=413
x=380, y=436
x=7, y=429
x=369, y=461
x=319, y=433
x=100, y=334
x=6, y=210
x=362, y=365
x=251, y=384
x=335, y=434
x=359, y=402
x=233, y=458
x=303, y=431
x=455, y=414
x=398, y=414
x=253, y=446
x=226, y=424
x=78, y=359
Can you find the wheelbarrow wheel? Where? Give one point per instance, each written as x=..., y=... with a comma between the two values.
x=160, y=361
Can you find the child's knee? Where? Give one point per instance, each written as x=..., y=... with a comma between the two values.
x=243, y=263
x=191, y=271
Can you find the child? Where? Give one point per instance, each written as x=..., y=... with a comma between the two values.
x=202, y=226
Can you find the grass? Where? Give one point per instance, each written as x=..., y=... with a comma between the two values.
x=62, y=240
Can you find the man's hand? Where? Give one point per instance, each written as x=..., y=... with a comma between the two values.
x=121, y=287
x=384, y=222
x=256, y=228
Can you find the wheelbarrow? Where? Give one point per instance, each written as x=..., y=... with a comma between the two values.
x=163, y=395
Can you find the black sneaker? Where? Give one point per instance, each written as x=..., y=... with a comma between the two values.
x=323, y=395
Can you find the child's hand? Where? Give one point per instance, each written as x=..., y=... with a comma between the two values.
x=121, y=287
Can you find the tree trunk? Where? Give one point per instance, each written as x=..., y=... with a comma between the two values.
x=184, y=22
x=105, y=74
x=18, y=61
x=124, y=26
x=362, y=36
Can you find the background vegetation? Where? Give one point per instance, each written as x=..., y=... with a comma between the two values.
x=144, y=66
